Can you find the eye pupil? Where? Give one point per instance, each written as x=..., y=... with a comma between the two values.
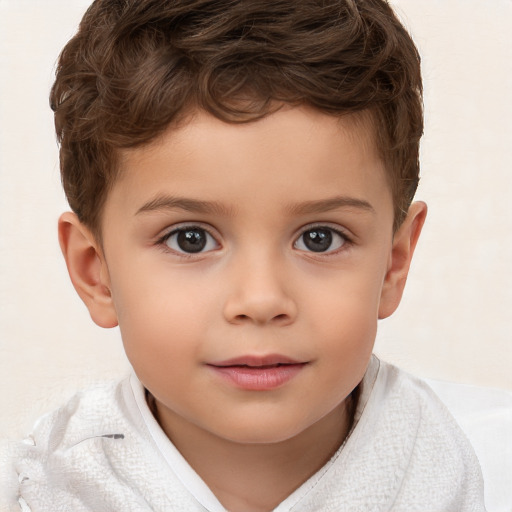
x=318, y=240
x=191, y=240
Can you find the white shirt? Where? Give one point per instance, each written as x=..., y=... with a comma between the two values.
x=104, y=451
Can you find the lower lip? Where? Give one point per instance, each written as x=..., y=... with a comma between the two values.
x=258, y=379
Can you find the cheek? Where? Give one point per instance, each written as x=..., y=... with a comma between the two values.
x=349, y=335
x=350, y=345
x=162, y=349
x=345, y=318
x=160, y=319
x=158, y=294
x=348, y=303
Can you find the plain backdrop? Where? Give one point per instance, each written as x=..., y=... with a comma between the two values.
x=455, y=319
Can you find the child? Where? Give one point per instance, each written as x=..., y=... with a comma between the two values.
x=241, y=176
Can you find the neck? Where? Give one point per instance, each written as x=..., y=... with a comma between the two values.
x=256, y=477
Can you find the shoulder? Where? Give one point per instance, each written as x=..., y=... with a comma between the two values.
x=88, y=413
x=96, y=453
x=410, y=403
x=438, y=455
x=75, y=451
x=392, y=395
x=399, y=388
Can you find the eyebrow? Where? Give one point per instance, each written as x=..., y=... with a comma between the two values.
x=164, y=203
x=333, y=203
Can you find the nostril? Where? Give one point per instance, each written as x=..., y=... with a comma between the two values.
x=260, y=308
x=278, y=318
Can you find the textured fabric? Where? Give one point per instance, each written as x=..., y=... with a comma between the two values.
x=104, y=452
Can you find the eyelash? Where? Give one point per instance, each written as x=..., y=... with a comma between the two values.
x=163, y=240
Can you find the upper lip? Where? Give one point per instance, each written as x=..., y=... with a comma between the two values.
x=257, y=361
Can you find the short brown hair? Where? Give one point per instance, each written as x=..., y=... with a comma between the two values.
x=136, y=66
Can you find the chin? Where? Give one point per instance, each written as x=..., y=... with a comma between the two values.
x=260, y=432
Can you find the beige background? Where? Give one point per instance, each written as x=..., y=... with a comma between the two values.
x=454, y=322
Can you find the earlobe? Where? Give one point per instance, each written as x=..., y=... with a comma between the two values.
x=404, y=243
x=87, y=269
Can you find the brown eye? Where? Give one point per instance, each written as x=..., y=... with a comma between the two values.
x=191, y=240
x=320, y=239
x=317, y=240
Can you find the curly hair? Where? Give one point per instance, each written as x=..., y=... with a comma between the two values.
x=136, y=66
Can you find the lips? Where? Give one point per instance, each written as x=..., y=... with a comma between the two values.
x=258, y=373
x=257, y=361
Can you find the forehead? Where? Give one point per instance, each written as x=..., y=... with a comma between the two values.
x=298, y=152
x=196, y=128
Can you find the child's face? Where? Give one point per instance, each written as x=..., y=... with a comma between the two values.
x=248, y=265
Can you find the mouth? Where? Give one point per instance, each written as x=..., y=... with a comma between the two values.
x=270, y=361
x=255, y=373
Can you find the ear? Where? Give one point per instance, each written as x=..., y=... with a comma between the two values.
x=87, y=269
x=404, y=243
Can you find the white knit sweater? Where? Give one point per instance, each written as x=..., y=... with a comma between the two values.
x=104, y=451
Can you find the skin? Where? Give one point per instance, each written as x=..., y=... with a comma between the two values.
x=256, y=288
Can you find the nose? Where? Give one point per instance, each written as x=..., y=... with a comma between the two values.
x=259, y=293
